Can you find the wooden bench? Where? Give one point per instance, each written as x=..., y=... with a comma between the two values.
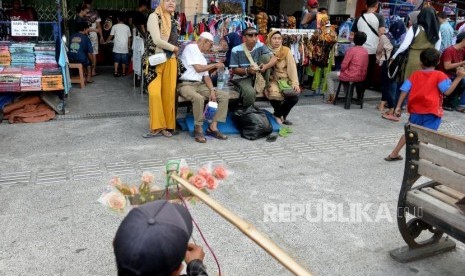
x=233, y=96
x=437, y=206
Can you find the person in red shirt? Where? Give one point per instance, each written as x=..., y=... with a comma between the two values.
x=353, y=67
x=425, y=89
x=451, y=59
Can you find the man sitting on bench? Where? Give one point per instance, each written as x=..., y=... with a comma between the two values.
x=197, y=91
x=80, y=49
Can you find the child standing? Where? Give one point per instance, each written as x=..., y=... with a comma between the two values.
x=425, y=89
x=122, y=35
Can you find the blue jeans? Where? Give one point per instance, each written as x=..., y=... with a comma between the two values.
x=450, y=100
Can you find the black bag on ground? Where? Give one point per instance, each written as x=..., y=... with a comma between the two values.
x=252, y=122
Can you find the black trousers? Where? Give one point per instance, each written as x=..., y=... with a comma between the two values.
x=282, y=108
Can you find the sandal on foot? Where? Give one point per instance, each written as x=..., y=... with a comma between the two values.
x=157, y=134
x=166, y=133
x=216, y=134
x=287, y=122
x=199, y=137
x=391, y=117
x=152, y=134
x=397, y=158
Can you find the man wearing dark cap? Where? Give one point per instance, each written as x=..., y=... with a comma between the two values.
x=153, y=240
x=451, y=59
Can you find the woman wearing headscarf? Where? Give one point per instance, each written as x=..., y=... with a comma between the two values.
x=426, y=36
x=285, y=69
x=161, y=79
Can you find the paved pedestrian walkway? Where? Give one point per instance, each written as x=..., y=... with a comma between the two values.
x=52, y=174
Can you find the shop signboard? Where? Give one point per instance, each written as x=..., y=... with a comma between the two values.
x=24, y=28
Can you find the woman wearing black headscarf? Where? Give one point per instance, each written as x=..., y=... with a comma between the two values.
x=426, y=36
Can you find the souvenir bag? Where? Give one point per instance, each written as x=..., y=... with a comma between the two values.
x=286, y=89
x=260, y=82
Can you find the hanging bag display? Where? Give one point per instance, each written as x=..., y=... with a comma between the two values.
x=260, y=82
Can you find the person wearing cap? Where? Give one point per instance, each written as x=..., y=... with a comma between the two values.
x=153, y=240
x=309, y=18
x=452, y=58
x=446, y=30
x=244, y=71
x=196, y=86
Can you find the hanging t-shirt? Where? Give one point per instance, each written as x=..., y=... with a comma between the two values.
x=191, y=55
x=121, y=33
x=376, y=21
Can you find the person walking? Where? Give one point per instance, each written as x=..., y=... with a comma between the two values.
x=161, y=79
x=425, y=89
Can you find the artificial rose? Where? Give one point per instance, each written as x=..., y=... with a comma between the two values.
x=198, y=181
x=211, y=182
x=147, y=177
x=115, y=181
x=204, y=172
x=220, y=172
x=116, y=201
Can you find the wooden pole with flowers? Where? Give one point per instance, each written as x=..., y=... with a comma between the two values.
x=248, y=229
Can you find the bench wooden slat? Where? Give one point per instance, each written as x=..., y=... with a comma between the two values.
x=436, y=208
x=443, y=157
x=450, y=142
x=441, y=175
x=450, y=192
x=442, y=197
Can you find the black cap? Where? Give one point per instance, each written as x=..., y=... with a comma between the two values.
x=152, y=239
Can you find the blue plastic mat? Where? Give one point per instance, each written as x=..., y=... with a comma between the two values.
x=227, y=127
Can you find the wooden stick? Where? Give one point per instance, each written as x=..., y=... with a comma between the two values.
x=248, y=229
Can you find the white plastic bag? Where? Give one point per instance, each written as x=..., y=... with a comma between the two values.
x=156, y=59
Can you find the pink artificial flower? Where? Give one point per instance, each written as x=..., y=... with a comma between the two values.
x=204, y=172
x=211, y=182
x=147, y=177
x=115, y=181
x=184, y=172
x=198, y=181
x=116, y=201
x=220, y=172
